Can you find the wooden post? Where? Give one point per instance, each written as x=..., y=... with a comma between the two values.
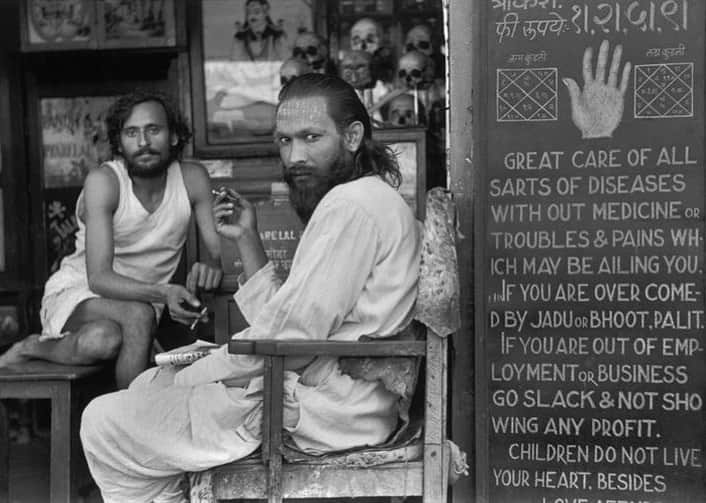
x=463, y=164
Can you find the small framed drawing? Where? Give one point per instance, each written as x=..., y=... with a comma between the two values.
x=410, y=147
x=58, y=24
x=237, y=49
x=138, y=23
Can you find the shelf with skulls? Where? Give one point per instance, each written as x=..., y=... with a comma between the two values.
x=309, y=54
x=400, y=93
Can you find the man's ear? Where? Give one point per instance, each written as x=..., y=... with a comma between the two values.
x=353, y=136
x=173, y=139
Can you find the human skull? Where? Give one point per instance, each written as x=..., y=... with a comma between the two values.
x=415, y=70
x=401, y=111
x=311, y=48
x=366, y=35
x=419, y=39
x=355, y=69
x=291, y=68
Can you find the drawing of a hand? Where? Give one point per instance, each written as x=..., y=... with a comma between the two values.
x=598, y=109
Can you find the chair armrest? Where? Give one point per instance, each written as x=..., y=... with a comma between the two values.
x=269, y=347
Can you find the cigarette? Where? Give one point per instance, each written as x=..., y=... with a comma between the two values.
x=196, y=320
x=224, y=192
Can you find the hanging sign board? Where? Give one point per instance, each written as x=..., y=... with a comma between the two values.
x=591, y=296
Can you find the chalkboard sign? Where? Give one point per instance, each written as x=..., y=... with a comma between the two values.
x=590, y=280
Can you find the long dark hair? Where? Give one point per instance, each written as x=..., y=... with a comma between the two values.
x=344, y=107
x=121, y=109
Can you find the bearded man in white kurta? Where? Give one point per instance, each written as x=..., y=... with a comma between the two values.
x=354, y=273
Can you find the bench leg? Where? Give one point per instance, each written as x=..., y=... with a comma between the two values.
x=60, y=464
x=4, y=454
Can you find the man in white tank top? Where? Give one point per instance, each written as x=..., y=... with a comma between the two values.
x=105, y=300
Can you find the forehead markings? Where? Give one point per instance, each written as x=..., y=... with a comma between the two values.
x=302, y=110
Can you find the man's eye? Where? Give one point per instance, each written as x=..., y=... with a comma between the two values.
x=154, y=130
x=312, y=137
x=283, y=140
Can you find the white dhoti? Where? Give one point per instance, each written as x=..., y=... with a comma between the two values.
x=138, y=442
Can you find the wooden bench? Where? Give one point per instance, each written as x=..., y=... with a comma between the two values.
x=69, y=388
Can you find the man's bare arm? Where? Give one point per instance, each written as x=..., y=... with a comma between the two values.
x=205, y=274
x=236, y=221
x=100, y=200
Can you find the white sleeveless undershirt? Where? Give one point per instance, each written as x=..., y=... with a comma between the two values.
x=147, y=246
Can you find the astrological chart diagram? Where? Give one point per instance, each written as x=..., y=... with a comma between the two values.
x=527, y=95
x=664, y=90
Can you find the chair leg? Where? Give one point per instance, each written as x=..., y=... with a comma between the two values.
x=4, y=454
x=276, y=409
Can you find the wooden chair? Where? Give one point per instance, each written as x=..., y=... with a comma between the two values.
x=417, y=468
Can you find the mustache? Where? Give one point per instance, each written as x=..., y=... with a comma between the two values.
x=145, y=150
x=299, y=169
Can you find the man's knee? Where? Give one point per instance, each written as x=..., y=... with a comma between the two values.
x=100, y=340
x=140, y=316
x=94, y=418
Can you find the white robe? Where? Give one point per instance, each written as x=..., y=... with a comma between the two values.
x=354, y=273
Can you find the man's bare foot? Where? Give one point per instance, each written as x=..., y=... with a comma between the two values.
x=15, y=354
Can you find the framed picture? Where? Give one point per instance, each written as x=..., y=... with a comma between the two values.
x=74, y=138
x=58, y=24
x=137, y=23
x=411, y=149
x=237, y=49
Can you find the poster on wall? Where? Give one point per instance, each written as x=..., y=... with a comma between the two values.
x=592, y=287
x=244, y=46
x=138, y=23
x=74, y=138
x=59, y=21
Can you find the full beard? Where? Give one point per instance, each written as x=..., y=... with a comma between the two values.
x=136, y=169
x=305, y=197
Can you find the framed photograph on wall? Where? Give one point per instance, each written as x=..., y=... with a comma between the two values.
x=138, y=23
x=58, y=24
x=237, y=49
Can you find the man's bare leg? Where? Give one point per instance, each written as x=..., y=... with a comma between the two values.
x=99, y=329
